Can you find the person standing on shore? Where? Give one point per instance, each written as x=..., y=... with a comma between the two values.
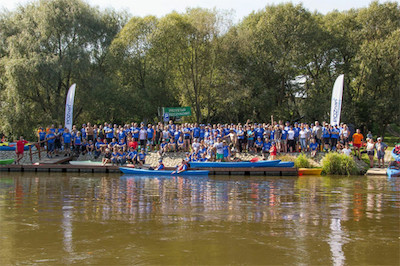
x=380, y=152
x=357, y=143
x=370, y=151
x=19, y=150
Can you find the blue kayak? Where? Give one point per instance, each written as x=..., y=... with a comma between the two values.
x=395, y=156
x=135, y=171
x=393, y=172
x=11, y=147
x=285, y=164
x=274, y=163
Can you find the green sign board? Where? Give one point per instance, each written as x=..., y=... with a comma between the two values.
x=178, y=111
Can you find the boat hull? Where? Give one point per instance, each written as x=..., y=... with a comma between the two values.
x=6, y=161
x=396, y=156
x=11, y=147
x=393, y=172
x=285, y=164
x=274, y=163
x=310, y=171
x=134, y=171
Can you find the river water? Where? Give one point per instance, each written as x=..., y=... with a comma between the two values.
x=110, y=219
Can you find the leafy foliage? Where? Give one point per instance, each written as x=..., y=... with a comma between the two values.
x=338, y=164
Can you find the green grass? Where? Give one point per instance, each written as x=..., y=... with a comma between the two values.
x=302, y=162
x=338, y=164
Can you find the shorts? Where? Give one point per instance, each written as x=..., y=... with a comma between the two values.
x=150, y=141
x=19, y=152
x=357, y=145
x=143, y=143
x=371, y=153
x=326, y=141
x=380, y=154
x=67, y=146
x=50, y=146
x=220, y=156
x=187, y=137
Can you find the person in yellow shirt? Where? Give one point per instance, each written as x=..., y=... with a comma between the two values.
x=358, y=139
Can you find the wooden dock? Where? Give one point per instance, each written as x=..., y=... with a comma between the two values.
x=56, y=160
x=376, y=172
x=49, y=167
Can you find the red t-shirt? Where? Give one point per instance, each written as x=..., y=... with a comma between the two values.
x=133, y=144
x=20, y=145
x=272, y=151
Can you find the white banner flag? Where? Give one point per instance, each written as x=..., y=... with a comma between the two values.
x=336, y=104
x=69, y=107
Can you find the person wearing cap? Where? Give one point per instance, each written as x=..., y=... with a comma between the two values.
x=380, y=152
x=160, y=166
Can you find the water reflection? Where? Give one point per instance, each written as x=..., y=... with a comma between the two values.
x=303, y=219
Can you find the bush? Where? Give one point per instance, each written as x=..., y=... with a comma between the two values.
x=302, y=162
x=286, y=158
x=338, y=164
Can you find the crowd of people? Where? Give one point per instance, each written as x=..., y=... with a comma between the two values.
x=130, y=143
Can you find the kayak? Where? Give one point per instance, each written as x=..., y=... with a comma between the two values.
x=395, y=156
x=134, y=171
x=393, y=172
x=10, y=146
x=285, y=164
x=310, y=171
x=7, y=161
x=274, y=163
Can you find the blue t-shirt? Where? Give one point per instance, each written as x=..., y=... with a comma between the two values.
x=202, y=133
x=150, y=133
x=160, y=167
x=177, y=134
x=284, y=134
x=250, y=134
x=259, y=132
x=78, y=140
x=196, y=132
x=135, y=132
x=335, y=133
x=50, y=135
x=259, y=142
x=296, y=132
x=110, y=133
x=186, y=132
x=67, y=137
x=267, y=146
x=326, y=133
x=83, y=133
x=240, y=134
x=121, y=134
x=132, y=154
x=42, y=135
x=226, y=151
x=98, y=144
x=142, y=156
x=313, y=146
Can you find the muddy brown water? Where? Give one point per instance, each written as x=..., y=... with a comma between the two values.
x=109, y=219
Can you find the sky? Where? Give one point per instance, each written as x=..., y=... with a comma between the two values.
x=240, y=8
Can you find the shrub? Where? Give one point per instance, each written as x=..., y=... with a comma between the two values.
x=286, y=158
x=338, y=164
x=302, y=162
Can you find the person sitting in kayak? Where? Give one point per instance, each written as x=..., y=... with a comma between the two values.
x=107, y=157
x=182, y=167
x=160, y=166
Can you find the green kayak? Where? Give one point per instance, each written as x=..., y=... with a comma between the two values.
x=7, y=161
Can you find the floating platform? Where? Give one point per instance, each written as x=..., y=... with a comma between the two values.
x=270, y=171
x=377, y=171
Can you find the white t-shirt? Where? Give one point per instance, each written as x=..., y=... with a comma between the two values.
x=346, y=151
x=142, y=134
x=196, y=146
x=291, y=134
x=219, y=147
x=302, y=134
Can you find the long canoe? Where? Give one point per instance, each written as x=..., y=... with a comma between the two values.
x=285, y=164
x=135, y=171
x=393, y=172
x=234, y=164
x=7, y=161
x=395, y=156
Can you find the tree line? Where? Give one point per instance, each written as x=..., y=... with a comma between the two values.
x=281, y=60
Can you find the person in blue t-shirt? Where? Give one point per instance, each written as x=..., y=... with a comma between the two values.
x=109, y=131
x=227, y=154
x=259, y=144
x=50, y=137
x=313, y=147
x=202, y=132
x=160, y=166
x=284, y=140
x=266, y=148
x=98, y=148
x=77, y=142
x=196, y=131
x=335, y=134
x=132, y=156
x=115, y=156
x=150, y=137
x=142, y=157
x=326, y=136
x=66, y=139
